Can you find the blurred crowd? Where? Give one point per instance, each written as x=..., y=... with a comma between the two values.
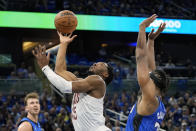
x=22, y=72
x=164, y=8
x=55, y=112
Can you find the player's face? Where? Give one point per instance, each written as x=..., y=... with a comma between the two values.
x=33, y=106
x=99, y=67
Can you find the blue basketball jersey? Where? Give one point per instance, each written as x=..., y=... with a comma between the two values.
x=152, y=122
x=35, y=126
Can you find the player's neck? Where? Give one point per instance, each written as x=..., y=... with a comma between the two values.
x=34, y=118
x=158, y=93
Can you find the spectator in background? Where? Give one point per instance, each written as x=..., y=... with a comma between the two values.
x=169, y=64
x=59, y=4
x=58, y=129
x=190, y=71
x=193, y=121
x=119, y=74
x=102, y=52
x=31, y=5
x=22, y=71
x=117, y=126
x=3, y=4
x=182, y=84
x=172, y=101
x=12, y=76
x=188, y=62
x=158, y=60
x=184, y=126
x=117, y=81
x=131, y=74
x=164, y=125
x=43, y=3
x=31, y=73
x=3, y=128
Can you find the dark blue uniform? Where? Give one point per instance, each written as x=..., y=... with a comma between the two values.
x=152, y=122
x=35, y=126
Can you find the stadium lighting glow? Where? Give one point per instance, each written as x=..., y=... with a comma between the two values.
x=94, y=23
x=132, y=44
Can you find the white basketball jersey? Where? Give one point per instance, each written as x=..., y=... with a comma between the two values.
x=87, y=112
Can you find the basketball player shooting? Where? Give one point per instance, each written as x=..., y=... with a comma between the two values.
x=87, y=103
x=149, y=111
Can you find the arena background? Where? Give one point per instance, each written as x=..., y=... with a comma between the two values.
x=175, y=53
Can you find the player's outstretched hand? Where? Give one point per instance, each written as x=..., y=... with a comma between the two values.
x=67, y=38
x=148, y=21
x=153, y=35
x=40, y=54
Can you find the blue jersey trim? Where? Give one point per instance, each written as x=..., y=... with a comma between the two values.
x=33, y=124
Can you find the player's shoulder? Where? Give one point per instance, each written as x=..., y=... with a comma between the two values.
x=25, y=126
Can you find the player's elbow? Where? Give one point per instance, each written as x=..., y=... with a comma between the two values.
x=58, y=72
x=139, y=57
x=58, y=69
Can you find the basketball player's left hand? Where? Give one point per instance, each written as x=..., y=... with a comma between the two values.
x=67, y=38
x=148, y=21
x=40, y=55
x=153, y=35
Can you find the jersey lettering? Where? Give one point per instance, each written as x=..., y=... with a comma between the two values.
x=160, y=115
x=157, y=125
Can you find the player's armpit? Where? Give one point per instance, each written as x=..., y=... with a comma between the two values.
x=149, y=92
x=25, y=126
x=88, y=84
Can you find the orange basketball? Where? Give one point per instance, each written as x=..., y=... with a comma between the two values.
x=66, y=21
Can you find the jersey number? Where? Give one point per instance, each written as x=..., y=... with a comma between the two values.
x=75, y=101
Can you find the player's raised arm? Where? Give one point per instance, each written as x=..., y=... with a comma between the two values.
x=65, y=86
x=150, y=46
x=61, y=66
x=142, y=58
